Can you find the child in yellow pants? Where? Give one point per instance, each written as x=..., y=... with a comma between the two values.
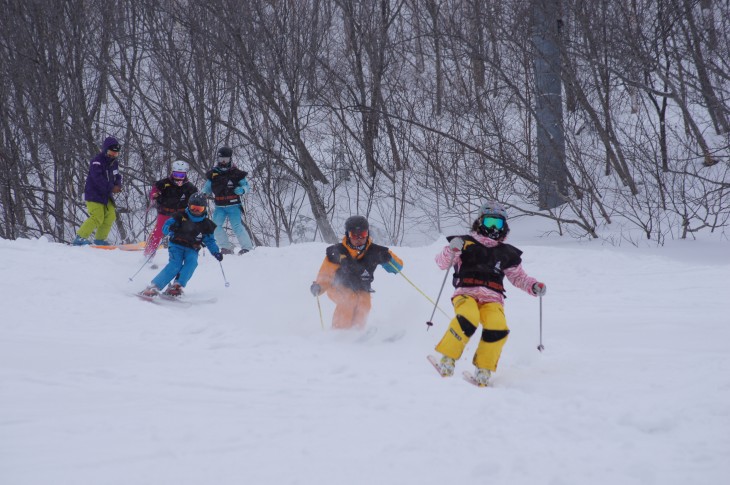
x=469, y=314
x=481, y=260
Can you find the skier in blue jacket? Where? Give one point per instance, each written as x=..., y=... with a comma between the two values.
x=188, y=231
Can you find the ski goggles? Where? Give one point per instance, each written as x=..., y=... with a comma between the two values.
x=114, y=148
x=492, y=222
x=197, y=209
x=179, y=175
x=359, y=234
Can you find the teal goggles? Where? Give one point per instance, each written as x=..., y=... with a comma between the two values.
x=492, y=222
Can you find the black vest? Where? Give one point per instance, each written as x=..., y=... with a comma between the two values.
x=356, y=274
x=173, y=198
x=223, y=183
x=189, y=233
x=483, y=266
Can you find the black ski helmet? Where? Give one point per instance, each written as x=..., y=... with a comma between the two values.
x=224, y=156
x=356, y=224
x=197, y=199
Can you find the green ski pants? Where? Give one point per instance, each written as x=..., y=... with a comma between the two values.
x=101, y=218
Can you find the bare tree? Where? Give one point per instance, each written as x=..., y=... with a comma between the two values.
x=409, y=111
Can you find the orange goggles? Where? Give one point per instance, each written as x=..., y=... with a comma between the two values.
x=359, y=234
x=197, y=209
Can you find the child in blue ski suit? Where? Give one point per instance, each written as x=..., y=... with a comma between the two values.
x=188, y=231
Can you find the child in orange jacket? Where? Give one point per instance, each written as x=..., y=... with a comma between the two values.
x=347, y=273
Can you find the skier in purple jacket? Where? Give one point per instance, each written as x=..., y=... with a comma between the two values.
x=102, y=181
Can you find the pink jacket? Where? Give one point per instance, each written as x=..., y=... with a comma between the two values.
x=516, y=275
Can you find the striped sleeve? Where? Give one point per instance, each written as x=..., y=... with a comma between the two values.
x=517, y=276
x=444, y=258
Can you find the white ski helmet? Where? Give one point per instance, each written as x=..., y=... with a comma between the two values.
x=492, y=221
x=180, y=166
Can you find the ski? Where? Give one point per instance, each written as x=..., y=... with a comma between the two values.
x=124, y=247
x=395, y=336
x=138, y=246
x=436, y=365
x=108, y=248
x=367, y=334
x=469, y=377
x=185, y=299
x=373, y=334
x=157, y=300
x=150, y=299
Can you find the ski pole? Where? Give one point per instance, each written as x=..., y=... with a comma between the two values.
x=319, y=306
x=149, y=258
x=429, y=323
x=224, y=275
x=419, y=290
x=541, y=347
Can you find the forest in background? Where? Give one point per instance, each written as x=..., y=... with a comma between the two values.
x=411, y=112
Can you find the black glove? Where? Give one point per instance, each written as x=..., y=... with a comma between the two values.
x=315, y=289
x=218, y=256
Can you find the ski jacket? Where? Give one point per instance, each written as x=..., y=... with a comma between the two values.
x=103, y=175
x=345, y=266
x=481, y=266
x=484, y=266
x=226, y=184
x=191, y=231
x=171, y=198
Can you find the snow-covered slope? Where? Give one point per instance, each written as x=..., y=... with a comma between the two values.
x=100, y=388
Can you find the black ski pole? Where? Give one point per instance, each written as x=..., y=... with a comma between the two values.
x=541, y=347
x=149, y=258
